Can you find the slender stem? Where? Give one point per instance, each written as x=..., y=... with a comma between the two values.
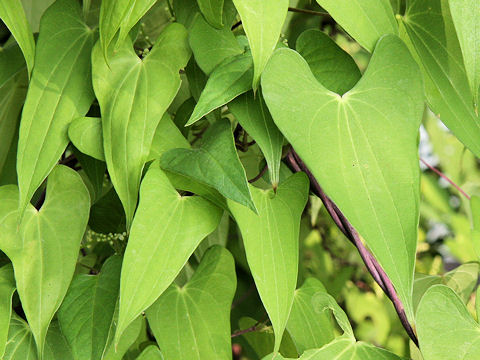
x=260, y=174
x=308, y=12
x=170, y=8
x=443, y=176
x=350, y=232
x=250, y=329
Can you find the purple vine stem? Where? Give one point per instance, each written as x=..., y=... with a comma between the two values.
x=373, y=266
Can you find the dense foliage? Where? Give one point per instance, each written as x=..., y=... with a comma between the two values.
x=246, y=179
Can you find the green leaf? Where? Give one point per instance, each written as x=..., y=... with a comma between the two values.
x=252, y=113
x=151, y=352
x=128, y=338
x=56, y=346
x=133, y=95
x=86, y=134
x=7, y=288
x=365, y=20
x=34, y=10
x=12, y=97
x=13, y=16
x=475, y=209
x=45, y=247
x=120, y=15
x=428, y=30
x=218, y=237
x=212, y=10
x=262, y=21
x=11, y=63
x=445, y=328
x=193, y=322
x=330, y=64
x=87, y=310
x=215, y=164
x=271, y=245
x=167, y=137
x=308, y=327
x=229, y=80
x=60, y=90
x=465, y=15
x=167, y=226
x=21, y=344
x=462, y=280
x=342, y=141
x=211, y=46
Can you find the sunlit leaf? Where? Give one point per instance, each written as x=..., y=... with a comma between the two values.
x=193, y=321
x=215, y=164
x=262, y=21
x=167, y=226
x=445, y=328
x=229, y=80
x=271, y=245
x=13, y=16
x=86, y=134
x=87, y=310
x=428, y=29
x=332, y=67
x=252, y=113
x=133, y=94
x=60, y=90
x=7, y=288
x=342, y=141
x=44, y=246
x=21, y=344
x=465, y=15
x=365, y=20
x=151, y=352
x=34, y=10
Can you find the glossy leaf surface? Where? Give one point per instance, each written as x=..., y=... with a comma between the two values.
x=271, y=245
x=133, y=94
x=381, y=201
x=59, y=91
x=193, y=322
x=167, y=226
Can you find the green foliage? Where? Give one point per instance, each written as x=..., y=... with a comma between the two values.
x=152, y=200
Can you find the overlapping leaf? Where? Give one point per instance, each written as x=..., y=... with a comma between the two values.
x=193, y=322
x=60, y=90
x=7, y=288
x=365, y=20
x=134, y=93
x=252, y=113
x=44, y=246
x=13, y=16
x=229, y=80
x=262, y=21
x=87, y=310
x=21, y=344
x=271, y=245
x=151, y=352
x=167, y=226
x=427, y=28
x=445, y=328
x=342, y=139
x=212, y=10
x=215, y=164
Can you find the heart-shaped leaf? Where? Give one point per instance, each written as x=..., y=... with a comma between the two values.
x=342, y=139
x=60, y=90
x=21, y=344
x=44, y=247
x=193, y=322
x=167, y=226
x=212, y=46
x=133, y=94
x=365, y=20
x=466, y=15
x=427, y=28
x=271, y=245
x=308, y=327
x=262, y=21
x=232, y=78
x=445, y=328
x=215, y=164
x=252, y=113
x=87, y=310
x=86, y=134
x=7, y=288
x=330, y=64
x=13, y=16
x=212, y=10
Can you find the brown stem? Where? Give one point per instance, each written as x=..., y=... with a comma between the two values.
x=250, y=329
x=308, y=12
x=350, y=232
x=443, y=176
x=260, y=174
